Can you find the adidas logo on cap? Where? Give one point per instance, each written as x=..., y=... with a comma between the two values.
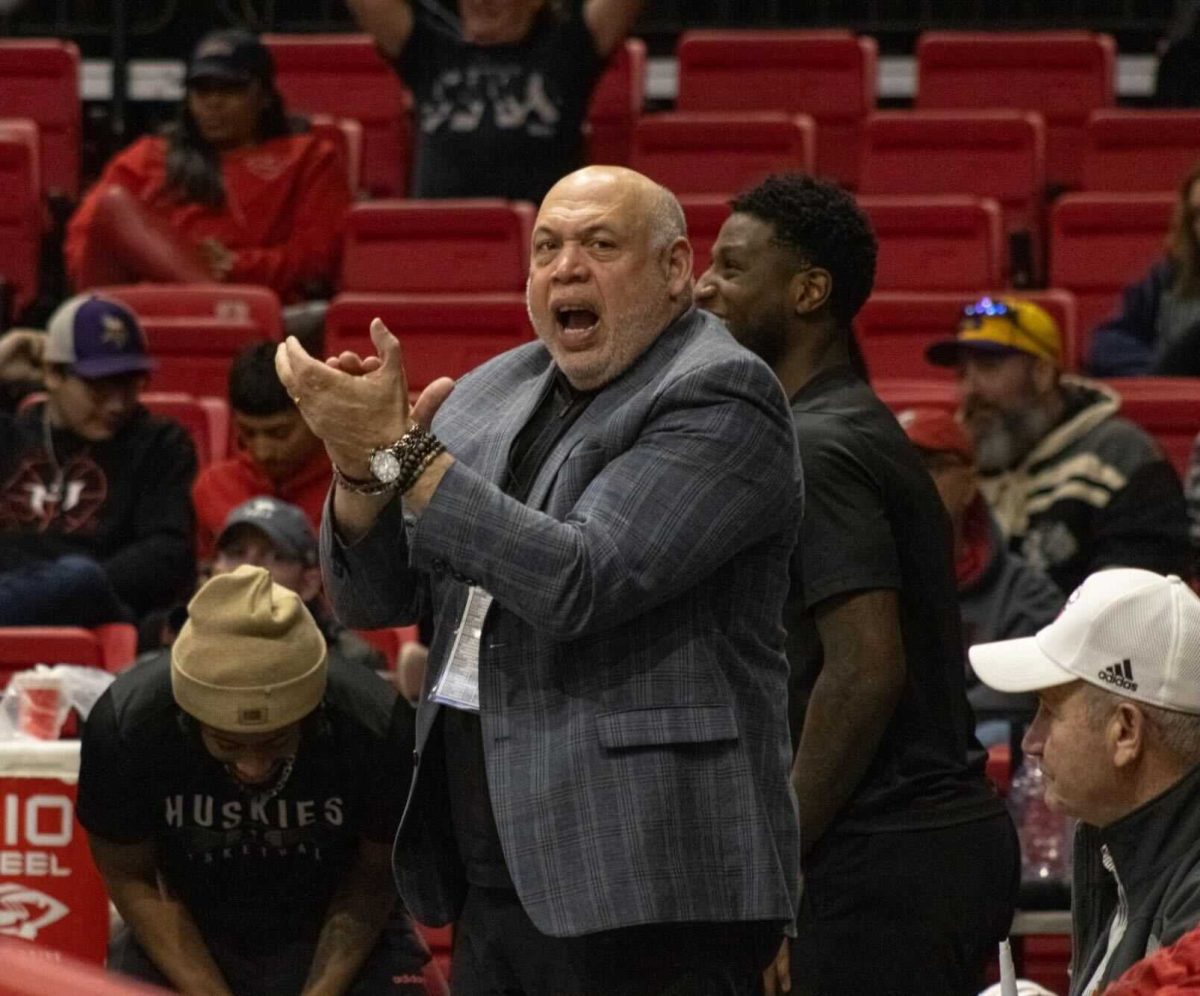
x=1120, y=675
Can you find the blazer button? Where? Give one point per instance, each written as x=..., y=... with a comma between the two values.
x=439, y=566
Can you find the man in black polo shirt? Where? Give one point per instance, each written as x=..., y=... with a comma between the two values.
x=910, y=861
x=240, y=801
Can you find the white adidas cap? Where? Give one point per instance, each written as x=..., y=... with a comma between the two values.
x=1132, y=632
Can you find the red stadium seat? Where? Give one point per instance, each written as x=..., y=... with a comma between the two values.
x=448, y=246
x=997, y=154
x=345, y=76
x=724, y=153
x=705, y=215
x=39, y=79
x=1063, y=75
x=1166, y=407
x=206, y=420
x=20, y=220
x=345, y=135
x=617, y=104
x=1099, y=243
x=442, y=335
x=390, y=641
x=246, y=303
x=194, y=354
x=948, y=243
x=440, y=941
x=111, y=647
x=900, y=393
x=828, y=75
x=1140, y=151
x=893, y=329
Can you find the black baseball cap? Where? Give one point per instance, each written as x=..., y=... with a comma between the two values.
x=230, y=56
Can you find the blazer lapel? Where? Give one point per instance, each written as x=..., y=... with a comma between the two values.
x=602, y=409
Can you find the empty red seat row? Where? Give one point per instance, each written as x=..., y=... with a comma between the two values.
x=39, y=80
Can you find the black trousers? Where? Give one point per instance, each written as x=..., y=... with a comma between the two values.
x=499, y=952
x=906, y=914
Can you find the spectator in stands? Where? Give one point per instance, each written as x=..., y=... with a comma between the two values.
x=1117, y=735
x=893, y=799
x=1000, y=597
x=501, y=91
x=269, y=533
x=228, y=192
x=1157, y=330
x=240, y=801
x=1073, y=486
x=20, y=366
x=279, y=454
x=619, y=500
x=95, y=520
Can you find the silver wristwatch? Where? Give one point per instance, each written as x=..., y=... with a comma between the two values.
x=384, y=462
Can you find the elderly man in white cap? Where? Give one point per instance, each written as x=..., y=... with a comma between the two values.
x=1117, y=734
x=240, y=801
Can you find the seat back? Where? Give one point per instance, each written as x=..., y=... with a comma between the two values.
x=899, y=393
x=39, y=79
x=895, y=327
x=828, y=75
x=1140, y=151
x=451, y=246
x=247, y=303
x=996, y=154
x=711, y=153
x=705, y=214
x=1063, y=75
x=946, y=243
x=1168, y=408
x=443, y=335
x=617, y=104
x=206, y=420
x=195, y=354
x=20, y=219
x=345, y=135
x=1099, y=243
x=344, y=75
x=110, y=647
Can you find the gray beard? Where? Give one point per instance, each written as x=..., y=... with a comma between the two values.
x=1005, y=441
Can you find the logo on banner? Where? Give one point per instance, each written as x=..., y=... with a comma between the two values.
x=25, y=911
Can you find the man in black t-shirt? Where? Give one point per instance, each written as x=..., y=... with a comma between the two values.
x=910, y=860
x=501, y=91
x=240, y=803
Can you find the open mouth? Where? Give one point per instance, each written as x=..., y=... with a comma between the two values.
x=575, y=321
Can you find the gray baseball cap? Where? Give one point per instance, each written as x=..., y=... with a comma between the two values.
x=285, y=525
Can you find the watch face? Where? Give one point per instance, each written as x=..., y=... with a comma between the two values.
x=385, y=466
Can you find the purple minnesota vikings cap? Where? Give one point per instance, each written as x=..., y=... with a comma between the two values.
x=96, y=337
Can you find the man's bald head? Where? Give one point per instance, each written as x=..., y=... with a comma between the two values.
x=611, y=268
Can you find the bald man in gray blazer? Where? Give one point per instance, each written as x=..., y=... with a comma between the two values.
x=599, y=524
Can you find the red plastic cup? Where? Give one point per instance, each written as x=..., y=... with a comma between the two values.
x=39, y=705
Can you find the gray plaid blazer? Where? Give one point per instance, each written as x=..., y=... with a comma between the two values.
x=633, y=683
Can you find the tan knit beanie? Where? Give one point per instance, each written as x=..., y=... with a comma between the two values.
x=250, y=658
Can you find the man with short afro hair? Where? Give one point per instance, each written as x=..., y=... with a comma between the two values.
x=910, y=860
